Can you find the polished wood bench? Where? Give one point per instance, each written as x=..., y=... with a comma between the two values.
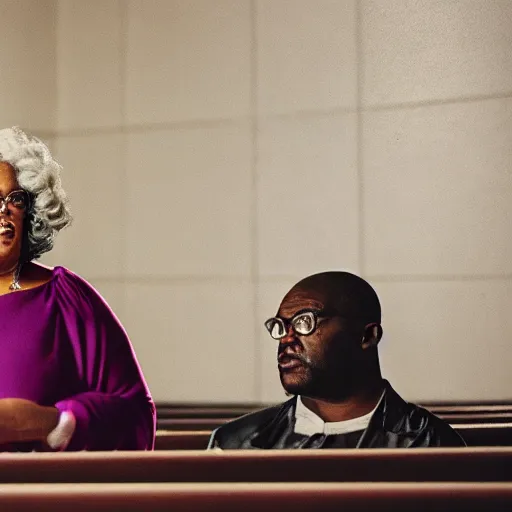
x=189, y=411
x=187, y=440
x=255, y=497
x=488, y=417
x=486, y=434
x=212, y=423
x=166, y=412
x=469, y=409
x=183, y=424
x=370, y=465
x=477, y=434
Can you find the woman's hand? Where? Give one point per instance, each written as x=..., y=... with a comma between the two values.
x=23, y=420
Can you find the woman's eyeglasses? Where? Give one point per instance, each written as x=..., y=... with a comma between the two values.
x=17, y=198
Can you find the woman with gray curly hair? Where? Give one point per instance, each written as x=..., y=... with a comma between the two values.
x=70, y=379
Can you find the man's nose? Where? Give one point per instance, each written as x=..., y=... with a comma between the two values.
x=289, y=337
x=3, y=207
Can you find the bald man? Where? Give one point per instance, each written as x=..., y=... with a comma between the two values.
x=327, y=329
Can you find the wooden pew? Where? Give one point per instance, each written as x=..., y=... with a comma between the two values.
x=486, y=434
x=171, y=411
x=252, y=497
x=492, y=434
x=172, y=440
x=384, y=465
x=470, y=409
x=210, y=418
x=182, y=424
x=203, y=412
x=209, y=406
x=470, y=418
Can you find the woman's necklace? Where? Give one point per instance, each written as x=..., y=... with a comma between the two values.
x=15, y=284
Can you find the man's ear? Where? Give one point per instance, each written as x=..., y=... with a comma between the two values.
x=372, y=335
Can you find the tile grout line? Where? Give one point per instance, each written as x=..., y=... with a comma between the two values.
x=297, y=115
x=155, y=127
x=196, y=279
x=160, y=280
x=123, y=136
x=447, y=278
x=257, y=378
x=359, y=142
x=56, y=74
x=56, y=46
x=459, y=100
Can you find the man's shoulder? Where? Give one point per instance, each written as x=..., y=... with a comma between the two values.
x=433, y=430
x=411, y=420
x=237, y=433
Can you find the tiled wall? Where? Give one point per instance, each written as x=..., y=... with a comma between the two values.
x=27, y=65
x=216, y=151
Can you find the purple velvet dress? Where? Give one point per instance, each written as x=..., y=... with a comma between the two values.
x=61, y=345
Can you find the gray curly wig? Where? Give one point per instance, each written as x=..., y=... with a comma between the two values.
x=39, y=174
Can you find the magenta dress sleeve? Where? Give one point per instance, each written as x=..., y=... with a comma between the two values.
x=114, y=410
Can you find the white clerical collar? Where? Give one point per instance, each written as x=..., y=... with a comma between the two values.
x=307, y=423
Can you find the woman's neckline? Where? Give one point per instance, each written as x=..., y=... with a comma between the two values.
x=24, y=291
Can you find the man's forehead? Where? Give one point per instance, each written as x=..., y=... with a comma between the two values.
x=298, y=299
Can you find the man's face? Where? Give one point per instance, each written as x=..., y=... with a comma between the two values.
x=320, y=364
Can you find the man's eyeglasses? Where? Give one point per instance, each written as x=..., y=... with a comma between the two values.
x=303, y=323
x=17, y=198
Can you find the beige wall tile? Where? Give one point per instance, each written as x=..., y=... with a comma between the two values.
x=432, y=50
x=89, y=63
x=195, y=341
x=49, y=141
x=438, y=189
x=187, y=60
x=447, y=340
x=93, y=179
x=27, y=61
x=189, y=202
x=270, y=294
x=307, y=195
x=306, y=54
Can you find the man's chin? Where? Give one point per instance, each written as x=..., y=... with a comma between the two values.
x=294, y=385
